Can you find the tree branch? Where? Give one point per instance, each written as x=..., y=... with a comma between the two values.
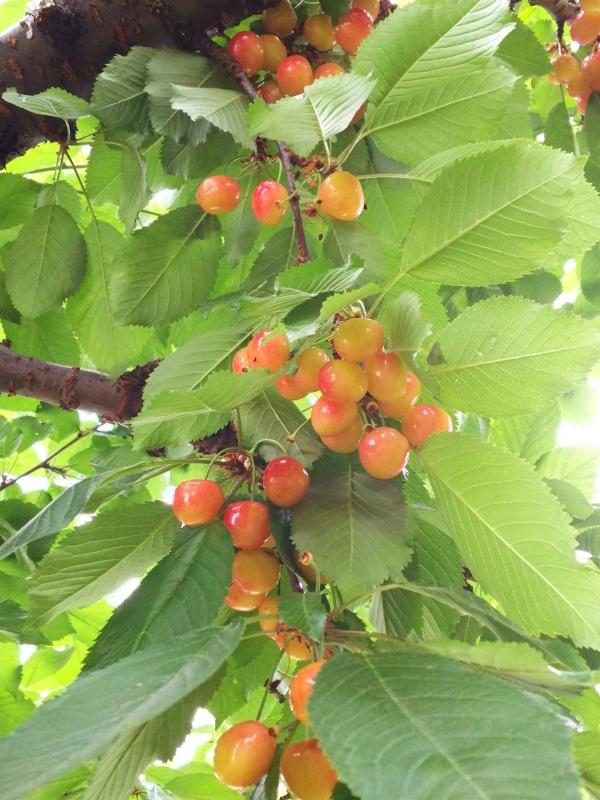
x=562, y=10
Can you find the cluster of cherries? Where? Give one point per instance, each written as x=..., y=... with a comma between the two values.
x=363, y=382
x=580, y=80
x=340, y=194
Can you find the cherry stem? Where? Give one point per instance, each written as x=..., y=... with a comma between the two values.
x=267, y=691
x=377, y=590
x=215, y=52
x=268, y=441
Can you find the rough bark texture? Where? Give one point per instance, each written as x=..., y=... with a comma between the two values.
x=66, y=43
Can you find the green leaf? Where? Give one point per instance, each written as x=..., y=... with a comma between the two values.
x=440, y=90
x=53, y=102
x=165, y=269
x=347, y=239
x=592, y=128
x=17, y=198
x=46, y=262
x=182, y=594
x=529, y=436
x=305, y=612
x=590, y=275
x=119, y=99
x=405, y=326
x=199, y=786
x=493, y=216
x=95, y=559
x=14, y=709
x=586, y=749
x=514, y=537
x=398, y=724
x=223, y=108
x=103, y=179
x=575, y=465
x=324, y=109
x=240, y=227
x=48, y=337
x=558, y=131
x=135, y=192
x=523, y=52
x=489, y=372
x=356, y=527
x=114, y=698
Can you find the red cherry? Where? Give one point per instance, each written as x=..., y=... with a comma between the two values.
x=585, y=28
x=219, y=194
x=358, y=339
x=240, y=600
x=352, y=29
x=590, y=5
x=248, y=523
x=386, y=375
x=590, y=70
x=294, y=74
x=272, y=353
x=247, y=49
x=240, y=362
x=301, y=689
x=254, y=343
x=341, y=196
x=398, y=408
x=280, y=20
x=274, y=50
x=307, y=771
x=582, y=102
x=288, y=388
x=372, y=7
x=270, y=203
x=256, y=571
x=197, y=502
x=318, y=31
x=285, y=481
x=243, y=754
x=310, y=362
x=329, y=69
x=343, y=381
x=565, y=67
x=422, y=421
x=329, y=417
x=383, y=452
x=346, y=441
x=270, y=92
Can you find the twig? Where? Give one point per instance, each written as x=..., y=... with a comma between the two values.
x=216, y=53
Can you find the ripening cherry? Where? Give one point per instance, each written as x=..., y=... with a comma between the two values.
x=310, y=362
x=307, y=771
x=343, y=381
x=372, y=7
x=288, y=388
x=268, y=612
x=383, y=452
x=240, y=363
x=318, y=31
x=328, y=417
x=590, y=70
x=341, y=196
x=359, y=112
x=272, y=353
x=592, y=6
x=578, y=87
x=256, y=571
x=280, y=20
x=358, y=339
x=583, y=101
x=218, y=194
x=294, y=645
x=270, y=203
x=248, y=523
x=386, y=375
x=346, y=441
x=398, y=408
x=247, y=49
x=254, y=343
x=285, y=481
x=301, y=689
x=328, y=69
x=244, y=753
x=352, y=29
x=422, y=421
x=197, y=502
x=275, y=51
x=565, y=66
x=240, y=600
x=585, y=28
x=294, y=74
x=270, y=92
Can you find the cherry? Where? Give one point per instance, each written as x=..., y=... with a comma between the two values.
x=248, y=523
x=254, y=343
x=280, y=20
x=256, y=571
x=310, y=362
x=590, y=5
x=294, y=645
x=578, y=87
x=285, y=481
x=358, y=339
x=346, y=441
x=329, y=417
x=352, y=29
x=307, y=771
x=341, y=196
x=272, y=353
x=359, y=112
x=398, y=408
x=372, y=7
x=274, y=49
x=343, y=381
x=288, y=388
x=244, y=753
x=269, y=608
x=582, y=101
x=318, y=31
x=269, y=543
x=383, y=452
x=301, y=688
x=585, y=28
x=240, y=362
x=197, y=502
x=387, y=377
x=270, y=203
x=328, y=69
x=304, y=562
x=247, y=49
x=294, y=74
x=565, y=66
x=219, y=194
x=590, y=70
x=270, y=92
x=423, y=420
x=240, y=600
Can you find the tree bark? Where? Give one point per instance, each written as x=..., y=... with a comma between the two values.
x=67, y=43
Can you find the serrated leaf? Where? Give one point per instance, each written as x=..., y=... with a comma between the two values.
x=529, y=436
x=119, y=99
x=489, y=372
x=240, y=227
x=514, y=537
x=346, y=239
x=46, y=261
x=586, y=749
x=325, y=108
x=53, y=102
x=166, y=269
x=356, y=527
x=575, y=465
x=389, y=721
x=96, y=558
x=523, y=52
x=405, y=326
x=135, y=192
x=17, y=197
x=49, y=337
x=14, y=709
x=224, y=108
x=336, y=302
x=114, y=698
x=305, y=612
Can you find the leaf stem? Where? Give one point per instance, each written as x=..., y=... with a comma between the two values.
x=401, y=176
x=377, y=590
